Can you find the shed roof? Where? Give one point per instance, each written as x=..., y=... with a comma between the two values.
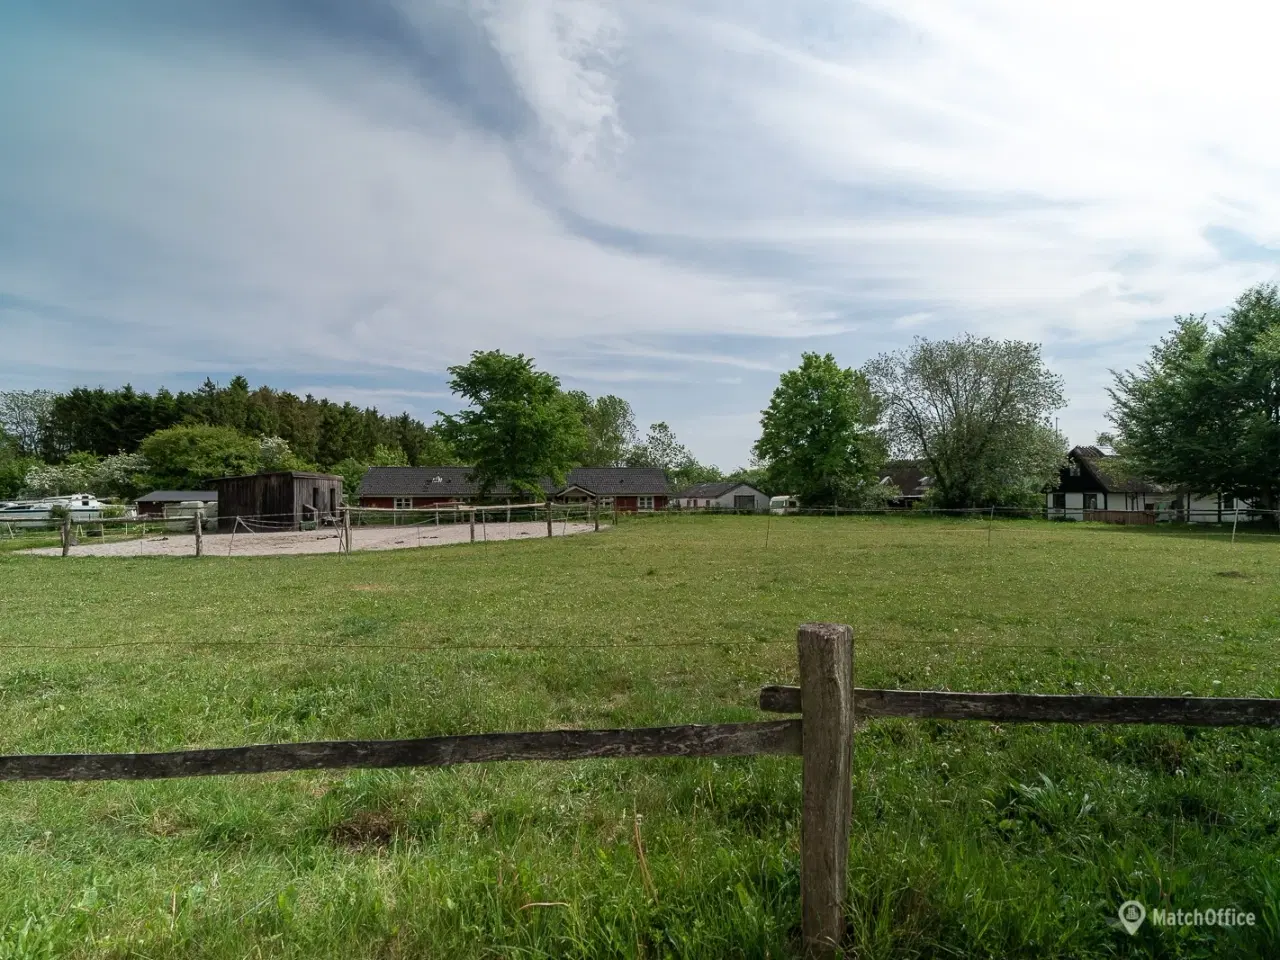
x=424, y=482
x=179, y=496
x=619, y=481
x=309, y=475
x=1105, y=470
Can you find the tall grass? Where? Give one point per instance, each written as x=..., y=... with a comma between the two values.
x=969, y=839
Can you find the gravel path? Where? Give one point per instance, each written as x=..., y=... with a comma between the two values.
x=319, y=541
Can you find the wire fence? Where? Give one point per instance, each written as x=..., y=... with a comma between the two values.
x=358, y=528
x=346, y=530
x=1235, y=525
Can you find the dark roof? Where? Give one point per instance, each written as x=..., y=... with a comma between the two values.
x=178, y=496
x=619, y=481
x=423, y=482
x=280, y=473
x=712, y=491
x=455, y=482
x=909, y=476
x=1105, y=470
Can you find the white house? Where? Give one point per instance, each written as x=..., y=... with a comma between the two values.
x=723, y=496
x=1090, y=488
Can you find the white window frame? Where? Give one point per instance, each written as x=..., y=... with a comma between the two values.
x=403, y=503
x=644, y=502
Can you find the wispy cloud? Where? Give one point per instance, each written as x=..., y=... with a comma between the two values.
x=640, y=194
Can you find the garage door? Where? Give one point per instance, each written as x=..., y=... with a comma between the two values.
x=747, y=502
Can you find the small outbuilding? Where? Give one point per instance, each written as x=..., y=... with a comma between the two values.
x=162, y=503
x=278, y=501
x=727, y=495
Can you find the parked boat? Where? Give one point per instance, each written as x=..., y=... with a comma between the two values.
x=82, y=506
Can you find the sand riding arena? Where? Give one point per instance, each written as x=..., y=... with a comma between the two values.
x=325, y=540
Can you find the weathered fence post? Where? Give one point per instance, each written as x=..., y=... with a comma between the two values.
x=549, y=533
x=346, y=527
x=473, y=524
x=596, y=504
x=199, y=529
x=826, y=698
x=66, y=534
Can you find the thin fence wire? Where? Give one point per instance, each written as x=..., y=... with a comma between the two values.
x=414, y=647
x=878, y=644
x=261, y=530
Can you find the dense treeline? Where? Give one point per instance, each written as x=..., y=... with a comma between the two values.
x=117, y=442
x=1203, y=414
x=107, y=422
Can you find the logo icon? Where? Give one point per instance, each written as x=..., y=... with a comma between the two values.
x=1132, y=913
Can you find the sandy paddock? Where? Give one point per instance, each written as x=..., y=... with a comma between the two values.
x=317, y=541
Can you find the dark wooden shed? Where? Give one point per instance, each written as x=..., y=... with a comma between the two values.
x=277, y=501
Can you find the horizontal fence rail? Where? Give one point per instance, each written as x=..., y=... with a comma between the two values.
x=826, y=698
x=692, y=740
x=1045, y=708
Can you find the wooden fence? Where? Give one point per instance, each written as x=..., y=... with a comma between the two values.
x=826, y=698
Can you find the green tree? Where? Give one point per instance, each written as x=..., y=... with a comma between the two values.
x=756, y=475
x=352, y=470
x=520, y=428
x=818, y=437
x=13, y=467
x=121, y=476
x=188, y=457
x=422, y=445
x=76, y=474
x=610, y=427
x=24, y=416
x=105, y=422
x=977, y=410
x=1204, y=411
x=661, y=449
x=274, y=454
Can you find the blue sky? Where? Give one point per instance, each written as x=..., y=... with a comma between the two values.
x=668, y=201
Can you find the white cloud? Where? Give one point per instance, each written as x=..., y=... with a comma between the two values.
x=564, y=56
x=1061, y=140
x=739, y=170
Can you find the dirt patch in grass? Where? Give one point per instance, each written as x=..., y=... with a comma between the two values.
x=366, y=829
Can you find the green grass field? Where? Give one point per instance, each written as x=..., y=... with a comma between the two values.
x=970, y=840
